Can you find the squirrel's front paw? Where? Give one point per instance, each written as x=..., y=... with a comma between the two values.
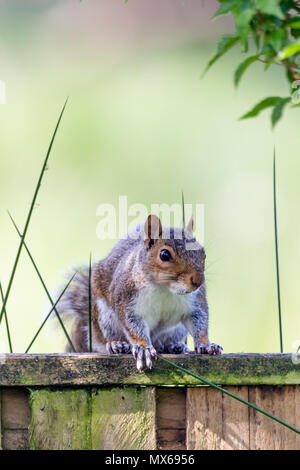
x=214, y=349
x=118, y=347
x=142, y=354
x=211, y=349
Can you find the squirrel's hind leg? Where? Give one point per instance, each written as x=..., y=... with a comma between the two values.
x=176, y=348
x=171, y=341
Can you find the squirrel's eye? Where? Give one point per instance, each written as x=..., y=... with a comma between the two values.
x=165, y=255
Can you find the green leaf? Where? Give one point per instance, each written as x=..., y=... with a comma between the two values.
x=295, y=33
x=256, y=37
x=289, y=50
x=289, y=76
x=276, y=38
x=226, y=7
x=243, y=67
x=293, y=23
x=224, y=44
x=265, y=103
x=243, y=14
x=268, y=53
x=295, y=91
x=270, y=7
x=278, y=109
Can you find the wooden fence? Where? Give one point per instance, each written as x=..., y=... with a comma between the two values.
x=88, y=401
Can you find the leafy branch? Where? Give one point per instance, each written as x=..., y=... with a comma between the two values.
x=273, y=26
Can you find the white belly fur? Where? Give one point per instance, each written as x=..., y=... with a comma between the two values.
x=157, y=305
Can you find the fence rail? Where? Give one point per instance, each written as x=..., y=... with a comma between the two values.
x=88, y=401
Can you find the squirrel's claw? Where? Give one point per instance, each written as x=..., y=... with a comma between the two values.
x=200, y=349
x=214, y=349
x=143, y=354
x=118, y=347
x=211, y=349
x=135, y=350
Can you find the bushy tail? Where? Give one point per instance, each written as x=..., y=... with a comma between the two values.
x=74, y=304
x=75, y=300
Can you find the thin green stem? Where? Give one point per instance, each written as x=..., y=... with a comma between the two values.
x=90, y=306
x=183, y=226
x=6, y=321
x=44, y=285
x=40, y=328
x=276, y=252
x=30, y=214
x=183, y=210
x=211, y=384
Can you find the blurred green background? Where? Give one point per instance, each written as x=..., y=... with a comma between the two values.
x=141, y=122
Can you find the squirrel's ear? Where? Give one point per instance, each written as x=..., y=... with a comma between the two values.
x=152, y=229
x=190, y=224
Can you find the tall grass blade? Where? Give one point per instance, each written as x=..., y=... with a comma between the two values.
x=30, y=213
x=183, y=210
x=90, y=306
x=217, y=387
x=44, y=285
x=183, y=226
x=276, y=251
x=40, y=328
x=6, y=321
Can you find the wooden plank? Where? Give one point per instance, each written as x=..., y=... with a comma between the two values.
x=15, y=439
x=15, y=409
x=171, y=439
x=204, y=419
x=123, y=419
x=171, y=418
x=232, y=425
x=1, y=420
x=217, y=421
x=235, y=418
x=283, y=402
x=297, y=420
x=93, y=369
x=15, y=419
x=60, y=419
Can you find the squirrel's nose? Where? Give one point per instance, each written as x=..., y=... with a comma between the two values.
x=196, y=279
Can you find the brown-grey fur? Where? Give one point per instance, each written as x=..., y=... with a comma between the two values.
x=131, y=274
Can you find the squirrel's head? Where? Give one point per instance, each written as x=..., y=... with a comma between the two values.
x=174, y=258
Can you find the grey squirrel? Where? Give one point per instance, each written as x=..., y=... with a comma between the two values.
x=147, y=295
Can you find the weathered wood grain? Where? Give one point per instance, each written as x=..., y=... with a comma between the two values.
x=15, y=409
x=88, y=401
x=282, y=402
x=204, y=419
x=16, y=439
x=15, y=418
x=93, y=369
x=235, y=420
x=171, y=418
x=1, y=420
x=217, y=421
x=61, y=419
x=123, y=419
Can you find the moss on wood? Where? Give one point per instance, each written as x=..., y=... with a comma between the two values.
x=107, y=419
x=60, y=419
x=123, y=419
x=93, y=369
